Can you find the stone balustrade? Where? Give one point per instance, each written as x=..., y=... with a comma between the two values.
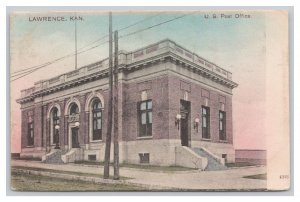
x=125, y=58
x=27, y=91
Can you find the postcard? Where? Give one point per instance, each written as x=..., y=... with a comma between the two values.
x=139, y=100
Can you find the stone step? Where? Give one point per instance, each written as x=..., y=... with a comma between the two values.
x=75, y=154
x=213, y=164
x=54, y=157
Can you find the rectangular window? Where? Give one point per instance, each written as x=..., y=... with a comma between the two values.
x=30, y=132
x=205, y=122
x=145, y=118
x=222, y=125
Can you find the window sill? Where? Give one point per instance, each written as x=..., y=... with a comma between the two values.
x=223, y=141
x=144, y=138
x=96, y=141
x=32, y=146
x=206, y=139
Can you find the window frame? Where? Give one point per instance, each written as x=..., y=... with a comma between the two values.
x=55, y=121
x=94, y=120
x=71, y=113
x=205, y=130
x=30, y=130
x=222, y=133
x=147, y=131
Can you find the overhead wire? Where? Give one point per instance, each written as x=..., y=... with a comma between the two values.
x=17, y=73
x=59, y=59
x=32, y=69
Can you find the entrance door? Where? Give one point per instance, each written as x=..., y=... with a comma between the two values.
x=185, y=122
x=75, y=143
x=184, y=130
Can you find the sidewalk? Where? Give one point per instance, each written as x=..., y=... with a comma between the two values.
x=231, y=179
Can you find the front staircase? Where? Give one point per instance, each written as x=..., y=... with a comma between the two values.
x=186, y=157
x=54, y=156
x=57, y=156
x=74, y=154
x=213, y=163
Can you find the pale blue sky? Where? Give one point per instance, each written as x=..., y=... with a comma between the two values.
x=194, y=32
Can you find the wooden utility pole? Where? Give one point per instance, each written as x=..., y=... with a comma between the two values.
x=76, y=41
x=110, y=99
x=116, y=122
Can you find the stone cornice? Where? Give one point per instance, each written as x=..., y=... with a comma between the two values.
x=134, y=67
x=65, y=85
x=92, y=72
x=184, y=64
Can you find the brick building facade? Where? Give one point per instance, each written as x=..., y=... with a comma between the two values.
x=174, y=108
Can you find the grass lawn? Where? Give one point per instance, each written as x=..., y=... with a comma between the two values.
x=257, y=177
x=239, y=164
x=64, y=172
x=142, y=166
x=157, y=168
x=28, y=182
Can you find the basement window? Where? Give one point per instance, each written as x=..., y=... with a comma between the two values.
x=224, y=156
x=144, y=157
x=92, y=157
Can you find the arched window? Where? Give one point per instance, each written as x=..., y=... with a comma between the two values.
x=55, y=123
x=96, y=120
x=74, y=109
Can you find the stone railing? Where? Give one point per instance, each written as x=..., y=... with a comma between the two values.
x=125, y=58
x=27, y=92
x=54, y=80
x=198, y=60
x=170, y=46
x=78, y=73
x=147, y=52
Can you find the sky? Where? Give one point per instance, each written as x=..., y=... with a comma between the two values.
x=235, y=44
